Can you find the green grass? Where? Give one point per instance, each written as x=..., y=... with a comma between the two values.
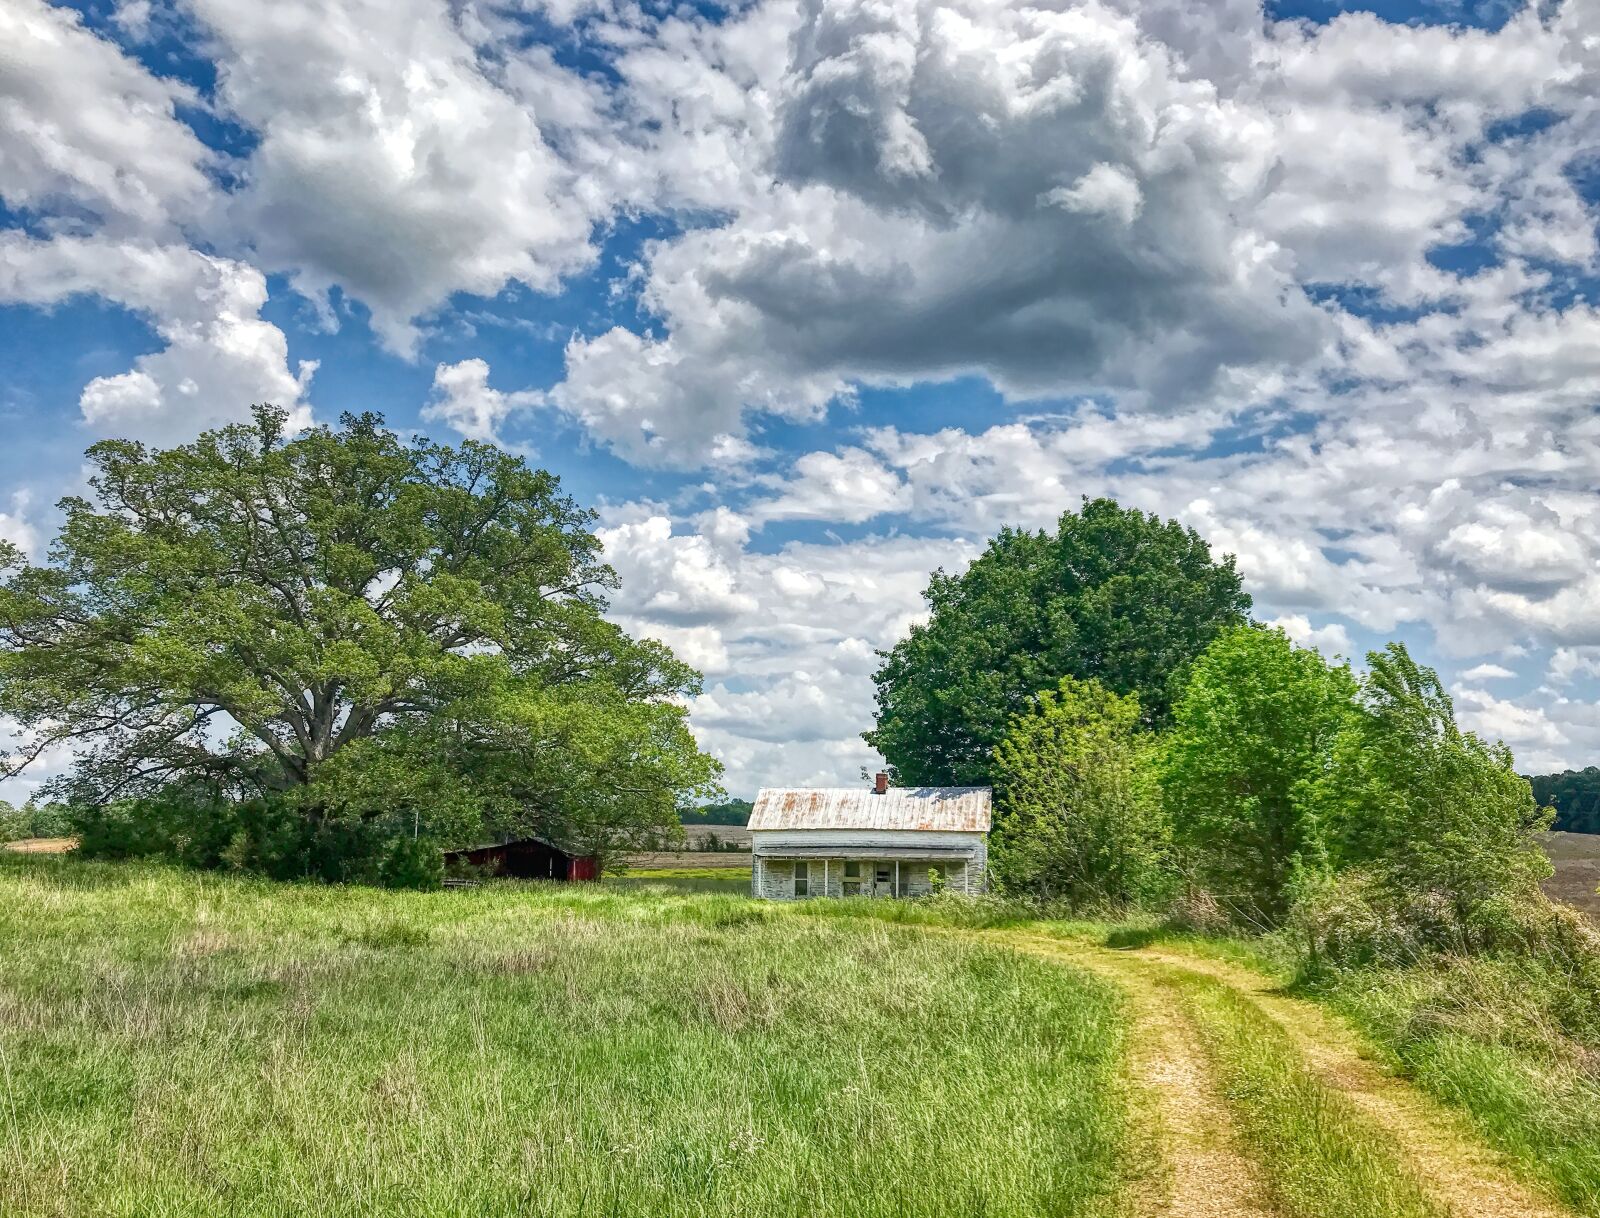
x=1501, y=1063
x=177, y=1044
x=1320, y=1156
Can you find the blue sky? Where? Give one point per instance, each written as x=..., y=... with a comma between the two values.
x=810, y=298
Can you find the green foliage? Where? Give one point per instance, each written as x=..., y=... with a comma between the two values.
x=366, y=635
x=1438, y=818
x=33, y=819
x=1113, y=595
x=729, y=812
x=1252, y=732
x=1574, y=794
x=1077, y=813
x=414, y=863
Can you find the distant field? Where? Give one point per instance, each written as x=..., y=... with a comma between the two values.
x=693, y=859
x=1576, y=857
x=723, y=833
x=41, y=845
x=191, y=1045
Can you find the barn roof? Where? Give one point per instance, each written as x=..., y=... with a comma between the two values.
x=946, y=809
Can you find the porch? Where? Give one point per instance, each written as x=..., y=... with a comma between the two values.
x=799, y=873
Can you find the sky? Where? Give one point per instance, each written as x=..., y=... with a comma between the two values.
x=807, y=298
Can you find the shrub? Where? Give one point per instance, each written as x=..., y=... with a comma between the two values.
x=1435, y=817
x=1252, y=731
x=1077, y=812
x=412, y=863
x=268, y=837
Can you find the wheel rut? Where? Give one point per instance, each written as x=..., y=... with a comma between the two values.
x=1205, y=1172
x=1468, y=1178
x=1463, y=1176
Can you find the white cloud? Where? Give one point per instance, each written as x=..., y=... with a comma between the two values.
x=220, y=355
x=463, y=401
x=1331, y=639
x=20, y=531
x=86, y=134
x=1487, y=672
x=787, y=640
x=849, y=486
x=402, y=161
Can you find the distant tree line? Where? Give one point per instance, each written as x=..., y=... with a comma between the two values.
x=1574, y=794
x=729, y=812
x=36, y=818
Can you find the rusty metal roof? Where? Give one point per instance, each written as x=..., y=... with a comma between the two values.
x=940, y=809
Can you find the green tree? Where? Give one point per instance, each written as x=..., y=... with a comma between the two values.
x=364, y=631
x=1252, y=732
x=1433, y=812
x=1575, y=795
x=1113, y=595
x=1077, y=813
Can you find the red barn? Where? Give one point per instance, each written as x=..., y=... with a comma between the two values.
x=528, y=858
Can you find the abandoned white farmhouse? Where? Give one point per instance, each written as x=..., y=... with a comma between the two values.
x=880, y=842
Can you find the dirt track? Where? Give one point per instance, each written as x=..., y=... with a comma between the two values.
x=1206, y=1171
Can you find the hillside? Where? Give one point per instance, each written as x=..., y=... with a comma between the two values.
x=187, y=1044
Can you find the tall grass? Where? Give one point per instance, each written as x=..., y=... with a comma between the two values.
x=178, y=1044
x=1478, y=1034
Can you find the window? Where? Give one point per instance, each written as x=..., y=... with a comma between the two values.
x=802, y=879
x=852, y=888
x=852, y=871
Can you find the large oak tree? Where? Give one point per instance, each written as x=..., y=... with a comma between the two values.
x=356, y=625
x=1114, y=595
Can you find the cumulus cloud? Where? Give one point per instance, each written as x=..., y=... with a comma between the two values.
x=17, y=528
x=464, y=402
x=400, y=160
x=787, y=639
x=1331, y=639
x=86, y=134
x=220, y=355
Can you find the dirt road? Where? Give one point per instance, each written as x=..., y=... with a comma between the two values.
x=1210, y=1166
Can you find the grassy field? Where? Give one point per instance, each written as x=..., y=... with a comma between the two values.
x=179, y=1044
x=182, y=1044
x=734, y=881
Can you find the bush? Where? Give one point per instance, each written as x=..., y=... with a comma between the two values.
x=1525, y=973
x=1252, y=730
x=412, y=863
x=270, y=837
x=1431, y=814
x=1078, y=818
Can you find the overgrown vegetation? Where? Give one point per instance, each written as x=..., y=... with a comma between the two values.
x=184, y=1043
x=1080, y=815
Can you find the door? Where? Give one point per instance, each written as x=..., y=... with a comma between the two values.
x=883, y=879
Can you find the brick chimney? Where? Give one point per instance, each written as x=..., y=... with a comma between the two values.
x=880, y=783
